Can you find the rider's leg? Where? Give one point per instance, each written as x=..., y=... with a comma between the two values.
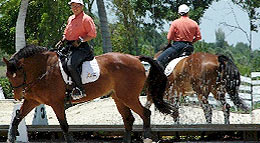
x=78, y=56
x=72, y=67
x=169, y=54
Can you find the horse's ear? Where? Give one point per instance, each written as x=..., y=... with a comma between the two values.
x=5, y=60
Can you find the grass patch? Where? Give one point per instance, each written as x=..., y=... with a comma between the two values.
x=2, y=71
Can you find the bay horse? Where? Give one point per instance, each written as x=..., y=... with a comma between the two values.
x=35, y=76
x=202, y=74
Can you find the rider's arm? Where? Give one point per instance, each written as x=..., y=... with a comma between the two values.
x=89, y=28
x=87, y=38
x=197, y=35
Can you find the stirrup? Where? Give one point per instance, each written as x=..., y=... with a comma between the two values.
x=77, y=93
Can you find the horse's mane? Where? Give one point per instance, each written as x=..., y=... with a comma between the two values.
x=28, y=51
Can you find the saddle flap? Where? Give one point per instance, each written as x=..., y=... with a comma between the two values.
x=90, y=71
x=170, y=67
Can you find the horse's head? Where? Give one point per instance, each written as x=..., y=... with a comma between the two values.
x=17, y=66
x=15, y=74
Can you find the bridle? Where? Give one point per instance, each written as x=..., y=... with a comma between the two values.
x=24, y=80
x=27, y=86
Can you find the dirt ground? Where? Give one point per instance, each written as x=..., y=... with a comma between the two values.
x=104, y=112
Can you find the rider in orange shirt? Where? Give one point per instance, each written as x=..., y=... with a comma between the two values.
x=183, y=32
x=79, y=30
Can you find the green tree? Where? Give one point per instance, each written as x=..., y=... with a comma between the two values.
x=161, y=10
x=132, y=16
x=9, y=11
x=202, y=46
x=6, y=87
x=250, y=7
x=256, y=60
x=125, y=12
x=220, y=38
x=221, y=44
x=44, y=24
x=242, y=57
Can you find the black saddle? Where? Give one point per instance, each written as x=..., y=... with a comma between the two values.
x=64, y=55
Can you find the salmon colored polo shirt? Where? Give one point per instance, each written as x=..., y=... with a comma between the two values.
x=81, y=25
x=184, y=29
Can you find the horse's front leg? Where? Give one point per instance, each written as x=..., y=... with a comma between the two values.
x=26, y=107
x=61, y=116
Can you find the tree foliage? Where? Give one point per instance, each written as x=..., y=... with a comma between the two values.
x=161, y=10
x=128, y=26
x=6, y=87
x=9, y=12
x=250, y=7
x=131, y=33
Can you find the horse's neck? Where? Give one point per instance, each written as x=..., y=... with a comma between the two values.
x=35, y=66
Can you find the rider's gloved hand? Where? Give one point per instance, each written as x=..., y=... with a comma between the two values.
x=169, y=45
x=76, y=43
x=60, y=43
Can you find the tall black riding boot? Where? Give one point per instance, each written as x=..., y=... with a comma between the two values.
x=79, y=91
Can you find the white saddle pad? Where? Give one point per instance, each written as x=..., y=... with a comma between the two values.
x=170, y=67
x=90, y=72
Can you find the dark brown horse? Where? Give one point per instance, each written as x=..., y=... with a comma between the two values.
x=35, y=75
x=202, y=74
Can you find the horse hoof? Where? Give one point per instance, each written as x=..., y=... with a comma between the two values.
x=11, y=138
x=147, y=140
x=69, y=138
x=10, y=141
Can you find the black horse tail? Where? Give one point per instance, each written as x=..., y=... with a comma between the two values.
x=231, y=77
x=156, y=84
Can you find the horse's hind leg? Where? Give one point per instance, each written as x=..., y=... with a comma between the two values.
x=203, y=98
x=226, y=110
x=26, y=107
x=61, y=116
x=128, y=119
x=174, y=98
x=149, y=102
x=144, y=113
x=225, y=106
